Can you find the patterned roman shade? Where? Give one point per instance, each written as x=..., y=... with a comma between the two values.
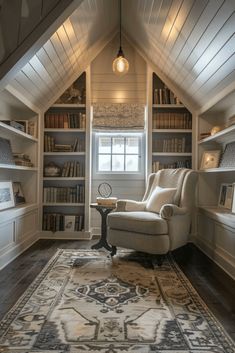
x=110, y=116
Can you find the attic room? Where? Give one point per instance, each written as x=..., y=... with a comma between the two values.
x=117, y=176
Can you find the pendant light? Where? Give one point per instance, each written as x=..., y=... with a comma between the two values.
x=120, y=64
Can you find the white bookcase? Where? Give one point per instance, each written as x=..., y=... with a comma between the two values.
x=216, y=225
x=171, y=129
x=19, y=225
x=66, y=194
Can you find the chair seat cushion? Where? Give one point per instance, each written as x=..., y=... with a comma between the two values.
x=139, y=222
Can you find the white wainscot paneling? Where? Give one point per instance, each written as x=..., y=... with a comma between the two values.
x=17, y=235
x=26, y=226
x=7, y=236
x=218, y=241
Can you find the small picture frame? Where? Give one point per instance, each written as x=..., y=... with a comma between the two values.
x=69, y=223
x=226, y=195
x=6, y=195
x=18, y=193
x=228, y=156
x=210, y=159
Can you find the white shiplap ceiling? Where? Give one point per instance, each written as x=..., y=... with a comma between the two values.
x=190, y=44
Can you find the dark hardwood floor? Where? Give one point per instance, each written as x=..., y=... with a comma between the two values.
x=215, y=287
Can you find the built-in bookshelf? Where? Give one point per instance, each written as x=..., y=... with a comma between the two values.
x=64, y=160
x=171, y=129
x=216, y=221
x=19, y=172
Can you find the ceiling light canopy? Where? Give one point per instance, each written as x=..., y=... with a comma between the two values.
x=120, y=63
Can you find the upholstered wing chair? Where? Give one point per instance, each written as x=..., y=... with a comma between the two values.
x=161, y=221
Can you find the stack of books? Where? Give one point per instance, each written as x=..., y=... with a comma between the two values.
x=172, y=121
x=156, y=165
x=107, y=201
x=51, y=146
x=22, y=159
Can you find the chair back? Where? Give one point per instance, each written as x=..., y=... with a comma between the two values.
x=183, y=179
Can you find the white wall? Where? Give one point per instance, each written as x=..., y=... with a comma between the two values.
x=106, y=87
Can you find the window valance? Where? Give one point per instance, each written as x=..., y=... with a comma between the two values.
x=110, y=116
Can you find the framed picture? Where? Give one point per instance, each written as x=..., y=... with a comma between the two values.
x=226, y=196
x=69, y=223
x=18, y=193
x=6, y=195
x=210, y=159
x=6, y=156
x=233, y=201
x=228, y=157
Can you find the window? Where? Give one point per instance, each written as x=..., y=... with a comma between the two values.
x=118, y=152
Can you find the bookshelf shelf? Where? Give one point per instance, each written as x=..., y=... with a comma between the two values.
x=169, y=106
x=72, y=105
x=217, y=170
x=67, y=204
x=71, y=130
x=64, y=178
x=64, y=153
x=18, y=167
x=224, y=136
x=172, y=154
x=172, y=131
x=16, y=132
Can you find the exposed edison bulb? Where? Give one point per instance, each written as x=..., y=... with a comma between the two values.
x=120, y=65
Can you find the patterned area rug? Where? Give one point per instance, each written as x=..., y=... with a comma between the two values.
x=83, y=301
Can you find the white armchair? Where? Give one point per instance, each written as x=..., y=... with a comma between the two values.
x=161, y=221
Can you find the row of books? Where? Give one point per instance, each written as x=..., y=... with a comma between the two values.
x=156, y=165
x=65, y=120
x=171, y=145
x=55, y=222
x=164, y=96
x=22, y=159
x=64, y=194
x=51, y=146
x=72, y=169
x=172, y=121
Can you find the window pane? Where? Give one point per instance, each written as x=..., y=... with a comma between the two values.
x=118, y=145
x=132, y=145
x=104, y=144
x=104, y=163
x=132, y=163
x=118, y=163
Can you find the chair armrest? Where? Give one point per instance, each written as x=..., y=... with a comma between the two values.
x=169, y=210
x=130, y=205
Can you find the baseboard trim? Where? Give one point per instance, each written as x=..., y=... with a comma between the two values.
x=14, y=251
x=65, y=235
x=218, y=255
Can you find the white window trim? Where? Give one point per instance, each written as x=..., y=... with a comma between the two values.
x=117, y=175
